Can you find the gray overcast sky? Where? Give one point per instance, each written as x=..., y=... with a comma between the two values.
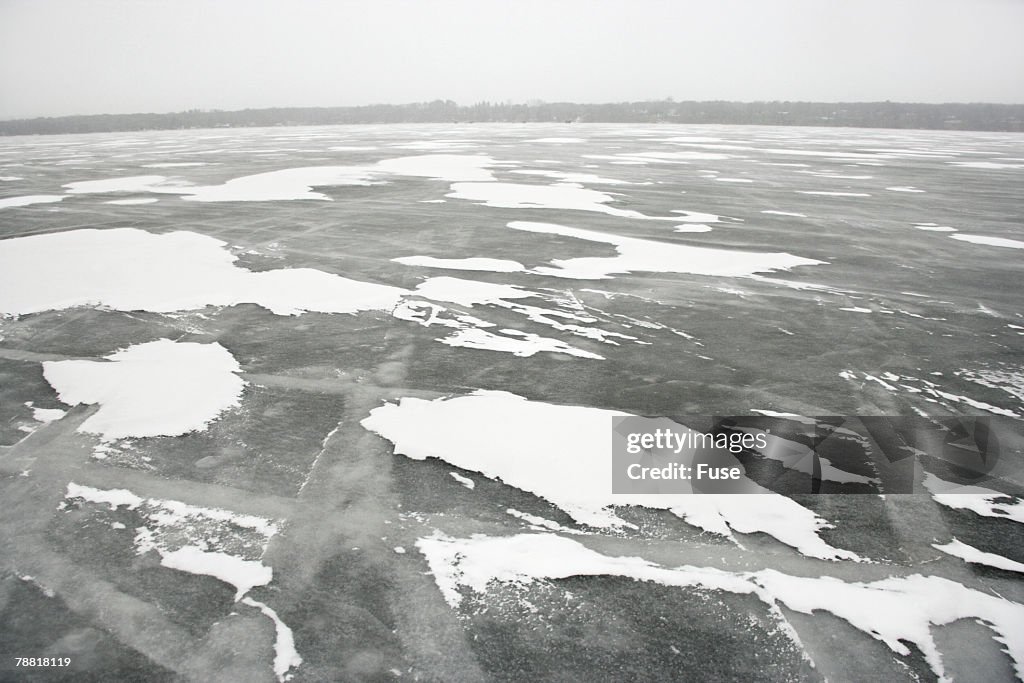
x=116, y=56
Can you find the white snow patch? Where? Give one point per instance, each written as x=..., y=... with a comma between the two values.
x=48, y=414
x=132, y=270
x=800, y=458
x=9, y=202
x=635, y=254
x=160, y=388
x=971, y=554
x=581, y=178
x=563, y=454
x=891, y=610
x=518, y=343
x=133, y=202
x=833, y=194
x=485, y=264
x=465, y=481
x=979, y=500
x=697, y=216
x=115, y=498
x=933, y=227
x=557, y=196
x=990, y=241
x=244, y=575
x=984, y=164
x=286, y=657
x=785, y=213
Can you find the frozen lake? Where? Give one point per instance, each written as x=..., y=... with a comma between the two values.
x=335, y=403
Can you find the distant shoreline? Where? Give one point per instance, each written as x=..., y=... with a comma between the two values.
x=897, y=115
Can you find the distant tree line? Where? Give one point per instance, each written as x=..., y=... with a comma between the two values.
x=956, y=116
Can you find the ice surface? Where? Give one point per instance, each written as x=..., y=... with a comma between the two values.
x=286, y=656
x=486, y=264
x=244, y=575
x=833, y=194
x=971, y=554
x=133, y=202
x=133, y=270
x=197, y=540
x=115, y=498
x=9, y=202
x=567, y=177
x=140, y=183
x=469, y=292
x=985, y=164
x=160, y=388
x=48, y=414
x=297, y=183
x=786, y=213
x=798, y=457
x=990, y=241
x=516, y=342
x=635, y=254
x=563, y=454
x=981, y=501
x=896, y=610
x=558, y=196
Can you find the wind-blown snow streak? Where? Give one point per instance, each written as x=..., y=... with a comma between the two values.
x=895, y=610
x=161, y=388
x=132, y=270
x=563, y=454
x=635, y=254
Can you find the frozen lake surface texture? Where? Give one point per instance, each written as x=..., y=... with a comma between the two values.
x=336, y=403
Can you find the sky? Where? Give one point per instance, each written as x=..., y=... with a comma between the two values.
x=60, y=57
